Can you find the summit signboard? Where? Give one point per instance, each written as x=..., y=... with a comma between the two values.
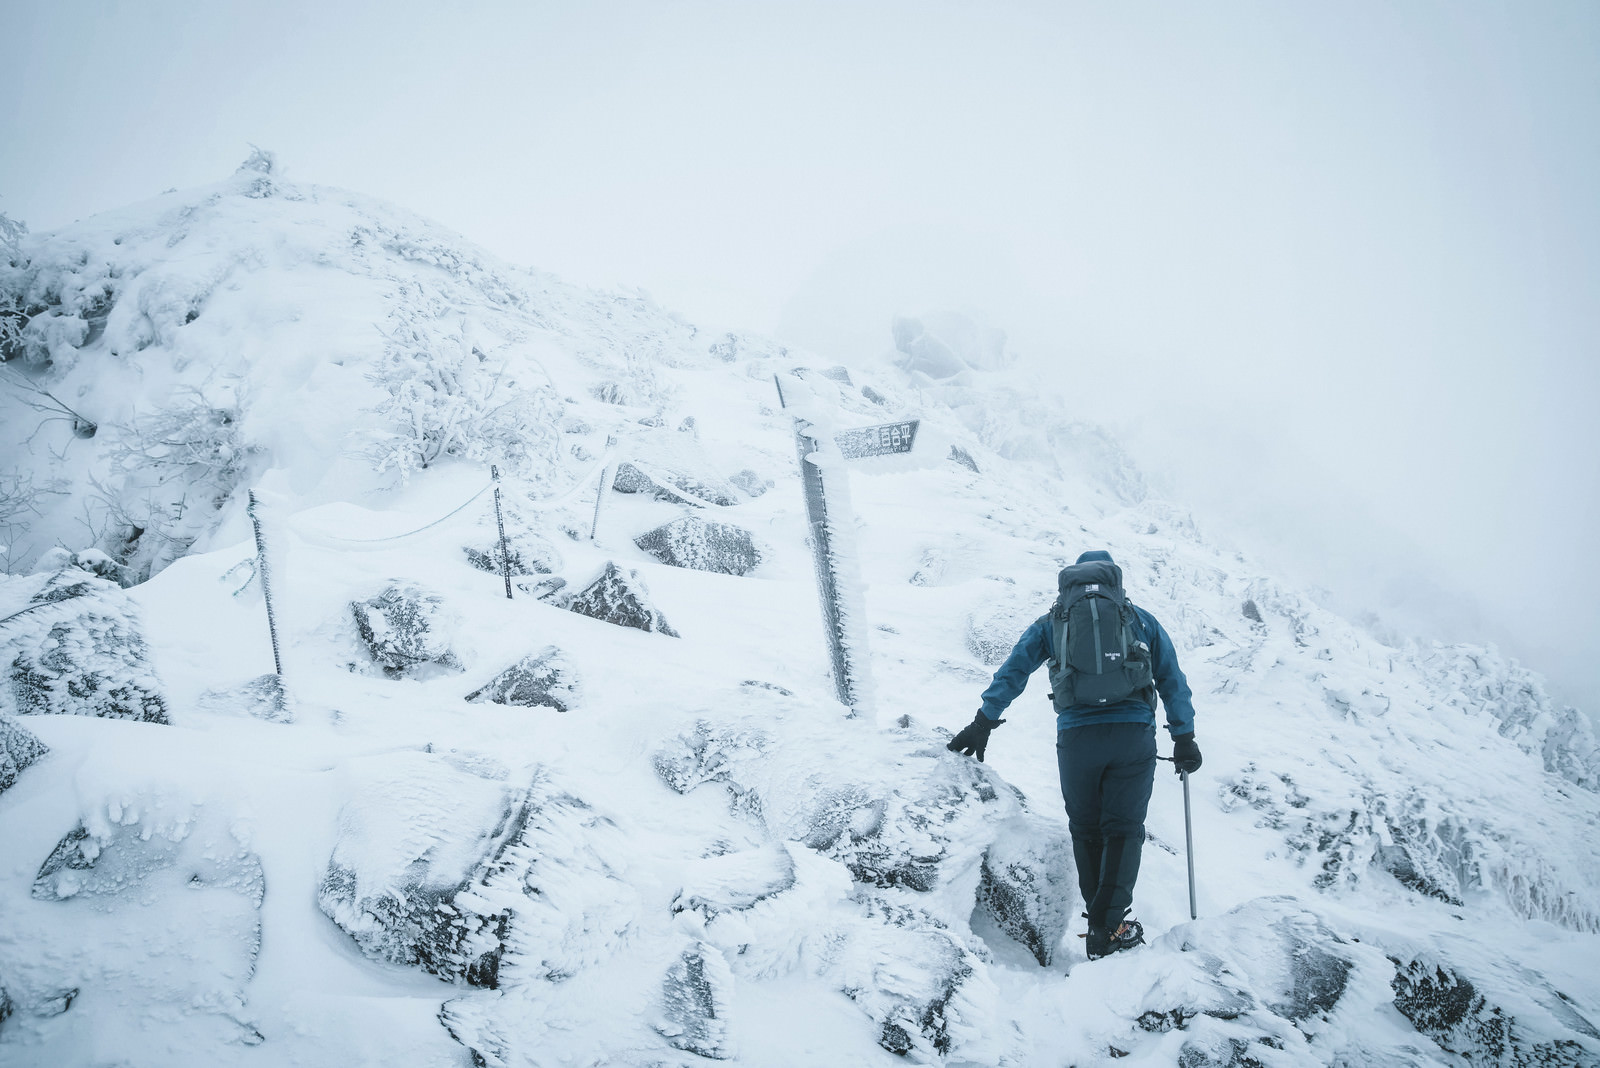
x=883, y=440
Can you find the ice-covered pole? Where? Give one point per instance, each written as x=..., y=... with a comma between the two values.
x=846, y=646
x=499, y=520
x=263, y=568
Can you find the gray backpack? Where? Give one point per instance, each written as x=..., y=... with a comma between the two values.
x=1095, y=658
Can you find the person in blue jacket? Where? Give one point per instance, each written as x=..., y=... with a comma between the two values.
x=1105, y=750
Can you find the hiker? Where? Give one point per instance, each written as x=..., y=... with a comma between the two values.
x=1108, y=661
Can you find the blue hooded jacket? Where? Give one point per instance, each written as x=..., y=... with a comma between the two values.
x=1030, y=653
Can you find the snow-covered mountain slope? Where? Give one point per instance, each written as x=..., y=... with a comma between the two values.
x=619, y=817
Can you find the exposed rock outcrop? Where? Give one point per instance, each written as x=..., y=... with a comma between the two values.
x=620, y=597
x=540, y=679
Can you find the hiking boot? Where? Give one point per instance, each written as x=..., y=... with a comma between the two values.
x=1101, y=942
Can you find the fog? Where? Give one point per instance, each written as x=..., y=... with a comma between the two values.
x=1332, y=271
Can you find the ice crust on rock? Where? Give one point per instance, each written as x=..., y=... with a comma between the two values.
x=74, y=645
x=620, y=597
x=692, y=542
x=1451, y=1010
x=696, y=1003
x=18, y=750
x=408, y=631
x=539, y=679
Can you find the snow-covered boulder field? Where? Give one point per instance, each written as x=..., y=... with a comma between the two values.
x=543, y=766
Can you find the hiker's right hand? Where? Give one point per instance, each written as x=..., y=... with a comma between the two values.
x=1185, y=754
x=974, y=737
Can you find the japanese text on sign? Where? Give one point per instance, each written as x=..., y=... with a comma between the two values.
x=877, y=440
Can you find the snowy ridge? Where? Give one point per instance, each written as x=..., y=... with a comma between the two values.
x=619, y=817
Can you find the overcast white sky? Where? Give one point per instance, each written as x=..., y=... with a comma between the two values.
x=1344, y=259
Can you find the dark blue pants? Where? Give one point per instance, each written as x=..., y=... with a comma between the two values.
x=1107, y=773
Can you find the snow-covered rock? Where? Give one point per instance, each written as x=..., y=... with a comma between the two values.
x=265, y=697
x=408, y=630
x=443, y=865
x=620, y=597
x=1029, y=885
x=668, y=484
x=419, y=835
x=696, y=1003
x=539, y=679
x=527, y=553
x=1449, y=1008
x=751, y=482
x=18, y=750
x=692, y=542
x=73, y=645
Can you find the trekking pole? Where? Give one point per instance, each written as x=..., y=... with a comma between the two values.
x=1188, y=843
x=1188, y=838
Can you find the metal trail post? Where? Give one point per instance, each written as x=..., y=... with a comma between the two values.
x=505, y=555
x=811, y=480
x=265, y=571
x=1188, y=844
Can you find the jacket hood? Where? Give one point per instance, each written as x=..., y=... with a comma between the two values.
x=1096, y=554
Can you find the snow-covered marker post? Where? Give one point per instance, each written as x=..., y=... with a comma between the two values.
x=835, y=621
x=499, y=520
x=265, y=571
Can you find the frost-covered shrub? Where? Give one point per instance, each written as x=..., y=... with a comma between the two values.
x=446, y=399
x=173, y=470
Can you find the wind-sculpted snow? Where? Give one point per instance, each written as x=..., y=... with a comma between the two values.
x=996, y=623
x=142, y=876
x=73, y=645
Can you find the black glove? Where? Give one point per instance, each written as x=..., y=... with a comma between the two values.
x=974, y=737
x=1185, y=754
